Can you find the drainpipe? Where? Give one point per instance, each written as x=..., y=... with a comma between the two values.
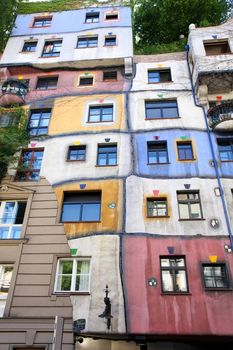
x=212, y=152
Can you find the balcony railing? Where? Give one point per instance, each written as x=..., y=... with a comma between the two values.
x=13, y=92
x=222, y=113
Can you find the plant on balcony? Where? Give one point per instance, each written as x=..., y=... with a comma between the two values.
x=13, y=136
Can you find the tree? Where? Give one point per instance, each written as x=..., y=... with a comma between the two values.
x=8, y=11
x=163, y=21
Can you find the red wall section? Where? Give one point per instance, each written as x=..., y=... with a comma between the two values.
x=150, y=311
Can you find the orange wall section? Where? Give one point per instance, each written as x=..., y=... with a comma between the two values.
x=69, y=114
x=111, y=218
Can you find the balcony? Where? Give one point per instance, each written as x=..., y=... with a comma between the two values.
x=13, y=92
x=221, y=114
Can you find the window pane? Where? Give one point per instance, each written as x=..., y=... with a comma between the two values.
x=153, y=113
x=184, y=211
x=71, y=212
x=102, y=159
x=91, y=212
x=167, y=281
x=195, y=210
x=64, y=283
x=181, y=284
x=112, y=159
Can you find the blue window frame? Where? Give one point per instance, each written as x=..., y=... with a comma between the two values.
x=52, y=48
x=102, y=113
x=29, y=46
x=42, y=21
x=87, y=41
x=39, y=122
x=185, y=150
x=225, y=148
x=157, y=152
x=161, y=109
x=159, y=76
x=107, y=155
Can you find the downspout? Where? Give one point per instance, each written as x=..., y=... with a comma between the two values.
x=212, y=152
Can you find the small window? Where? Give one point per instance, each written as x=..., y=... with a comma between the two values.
x=85, y=81
x=29, y=46
x=102, y=113
x=225, y=148
x=42, y=21
x=107, y=155
x=110, y=76
x=29, y=165
x=73, y=275
x=87, y=41
x=47, y=83
x=111, y=16
x=157, y=207
x=189, y=205
x=185, y=150
x=92, y=17
x=52, y=48
x=161, y=109
x=11, y=219
x=215, y=276
x=81, y=207
x=173, y=274
x=215, y=47
x=157, y=152
x=8, y=119
x=6, y=271
x=159, y=76
x=110, y=40
x=39, y=122
x=77, y=153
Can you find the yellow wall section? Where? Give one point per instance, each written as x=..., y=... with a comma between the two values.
x=69, y=114
x=110, y=218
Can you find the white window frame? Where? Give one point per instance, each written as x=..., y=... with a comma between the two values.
x=12, y=224
x=73, y=279
x=3, y=296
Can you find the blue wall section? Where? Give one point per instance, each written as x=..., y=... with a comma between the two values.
x=71, y=21
x=199, y=168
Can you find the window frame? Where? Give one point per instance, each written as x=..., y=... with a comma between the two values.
x=110, y=14
x=157, y=200
x=228, y=140
x=217, y=42
x=109, y=79
x=160, y=72
x=78, y=148
x=43, y=20
x=47, y=79
x=5, y=294
x=101, y=114
x=157, y=151
x=40, y=120
x=186, y=143
x=108, y=42
x=161, y=109
x=52, y=53
x=173, y=269
x=107, y=153
x=82, y=77
x=87, y=39
x=93, y=19
x=73, y=276
x=227, y=278
x=12, y=224
x=29, y=42
x=81, y=204
x=189, y=202
x=29, y=170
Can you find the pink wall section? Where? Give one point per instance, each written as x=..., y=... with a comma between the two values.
x=149, y=311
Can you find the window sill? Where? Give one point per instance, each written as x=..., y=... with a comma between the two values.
x=201, y=219
x=104, y=166
x=162, y=118
x=9, y=241
x=35, y=27
x=226, y=161
x=100, y=122
x=26, y=52
x=159, y=217
x=44, y=89
x=158, y=163
x=86, y=47
x=70, y=293
x=187, y=160
x=75, y=160
x=161, y=82
x=80, y=222
x=218, y=289
x=110, y=45
x=176, y=293
x=50, y=56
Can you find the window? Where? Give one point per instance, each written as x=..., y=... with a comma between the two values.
x=110, y=40
x=29, y=46
x=159, y=76
x=81, y=207
x=73, y=275
x=110, y=76
x=47, y=83
x=92, y=17
x=29, y=165
x=215, y=276
x=157, y=152
x=189, y=205
x=103, y=113
x=107, y=155
x=185, y=150
x=42, y=21
x=161, y=109
x=77, y=153
x=173, y=274
x=39, y=122
x=6, y=272
x=8, y=119
x=216, y=47
x=225, y=148
x=157, y=207
x=111, y=16
x=84, y=81
x=52, y=48
x=87, y=41
x=11, y=219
